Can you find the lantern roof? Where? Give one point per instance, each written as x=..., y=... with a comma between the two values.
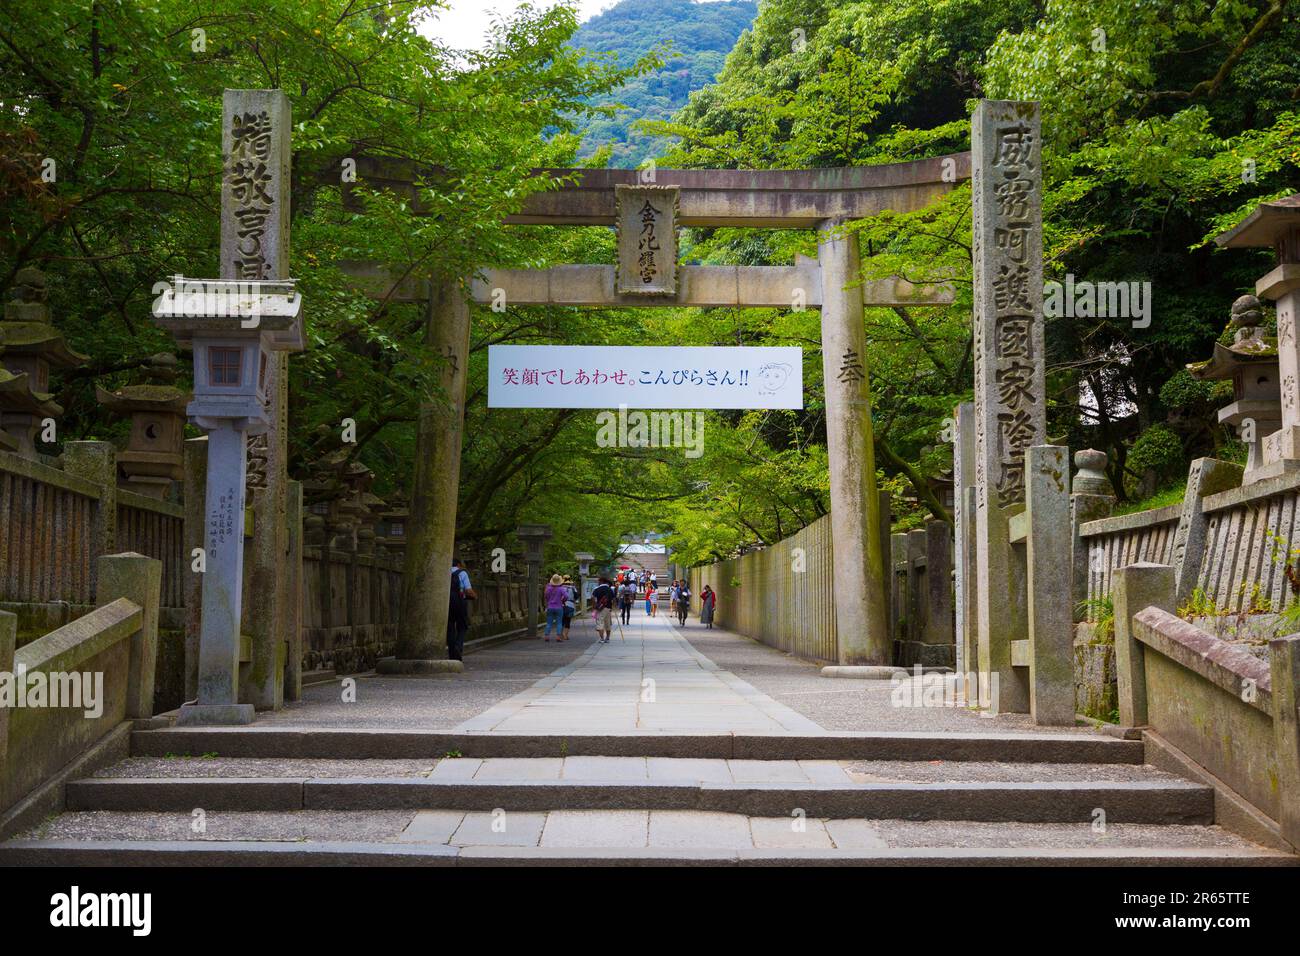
x=1228, y=359
x=233, y=307
x=1263, y=226
x=40, y=339
x=17, y=395
x=143, y=398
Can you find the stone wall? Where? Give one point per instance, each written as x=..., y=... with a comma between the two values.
x=109, y=653
x=782, y=595
x=1211, y=702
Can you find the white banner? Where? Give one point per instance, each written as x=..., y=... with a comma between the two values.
x=658, y=376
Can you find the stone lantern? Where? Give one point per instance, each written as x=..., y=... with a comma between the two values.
x=233, y=329
x=153, y=456
x=1250, y=362
x=32, y=346
x=391, y=529
x=1276, y=225
x=340, y=492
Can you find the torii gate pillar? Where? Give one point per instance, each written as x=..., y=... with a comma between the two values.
x=430, y=546
x=861, y=615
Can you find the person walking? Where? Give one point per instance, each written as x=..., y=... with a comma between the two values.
x=555, y=597
x=458, y=612
x=683, y=602
x=602, y=598
x=653, y=596
x=626, y=595
x=708, y=601
x=646, y=587
x=570, y=606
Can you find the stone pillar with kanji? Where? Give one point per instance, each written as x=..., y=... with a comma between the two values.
x=1010, y=377
x=256, y=149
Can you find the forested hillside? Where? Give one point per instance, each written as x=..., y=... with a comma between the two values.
x=696, y=38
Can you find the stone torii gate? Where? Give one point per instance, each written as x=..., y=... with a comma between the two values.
x=821, y=199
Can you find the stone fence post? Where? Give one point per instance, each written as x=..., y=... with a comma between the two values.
x=1134, y=588
x=138, y=579
x=8, y=644
x=1284, y=672
x=1091, y=497
x=196, y=491
x=97, y=461
x=1207, y=476
x=1051, y=632
x=939, y=622
x=293, y=610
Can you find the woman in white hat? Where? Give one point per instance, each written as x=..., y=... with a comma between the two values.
x=556, y=593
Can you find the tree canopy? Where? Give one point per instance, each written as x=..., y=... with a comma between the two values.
x=1165, y=122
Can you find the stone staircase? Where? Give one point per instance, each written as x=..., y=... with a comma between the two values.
x=272, y=796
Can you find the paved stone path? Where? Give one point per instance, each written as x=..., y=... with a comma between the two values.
x=647, y=680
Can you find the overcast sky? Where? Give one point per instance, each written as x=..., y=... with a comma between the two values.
x=465, y=25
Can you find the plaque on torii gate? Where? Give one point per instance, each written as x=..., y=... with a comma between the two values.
x=647, y=239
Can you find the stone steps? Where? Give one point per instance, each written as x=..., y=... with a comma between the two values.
x=1154, y=801
x=633, y=770
x=319, y=742
x=296, y=797
x=443, y=837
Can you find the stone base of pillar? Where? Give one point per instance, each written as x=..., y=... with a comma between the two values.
x=215, y=715
x=863, y=671
x=418, y=668
x=1273, y=469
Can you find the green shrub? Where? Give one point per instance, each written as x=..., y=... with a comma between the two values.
x=1158, y=450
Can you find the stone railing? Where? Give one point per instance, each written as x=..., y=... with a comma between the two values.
x=352, y=604
x=1211, y=707
x=156, y=528
x=350, y=608
x=1178, y=535
x=58, y=522
x=1250, y=560
x=52, y=525
x=921, y=596
x=104, y=663
x=1113, y=543
x=502, y=605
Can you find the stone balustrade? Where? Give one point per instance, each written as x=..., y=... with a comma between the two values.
x=1210, y=708
x=106, y=659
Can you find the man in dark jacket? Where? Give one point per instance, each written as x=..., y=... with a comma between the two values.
x=458, y=613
